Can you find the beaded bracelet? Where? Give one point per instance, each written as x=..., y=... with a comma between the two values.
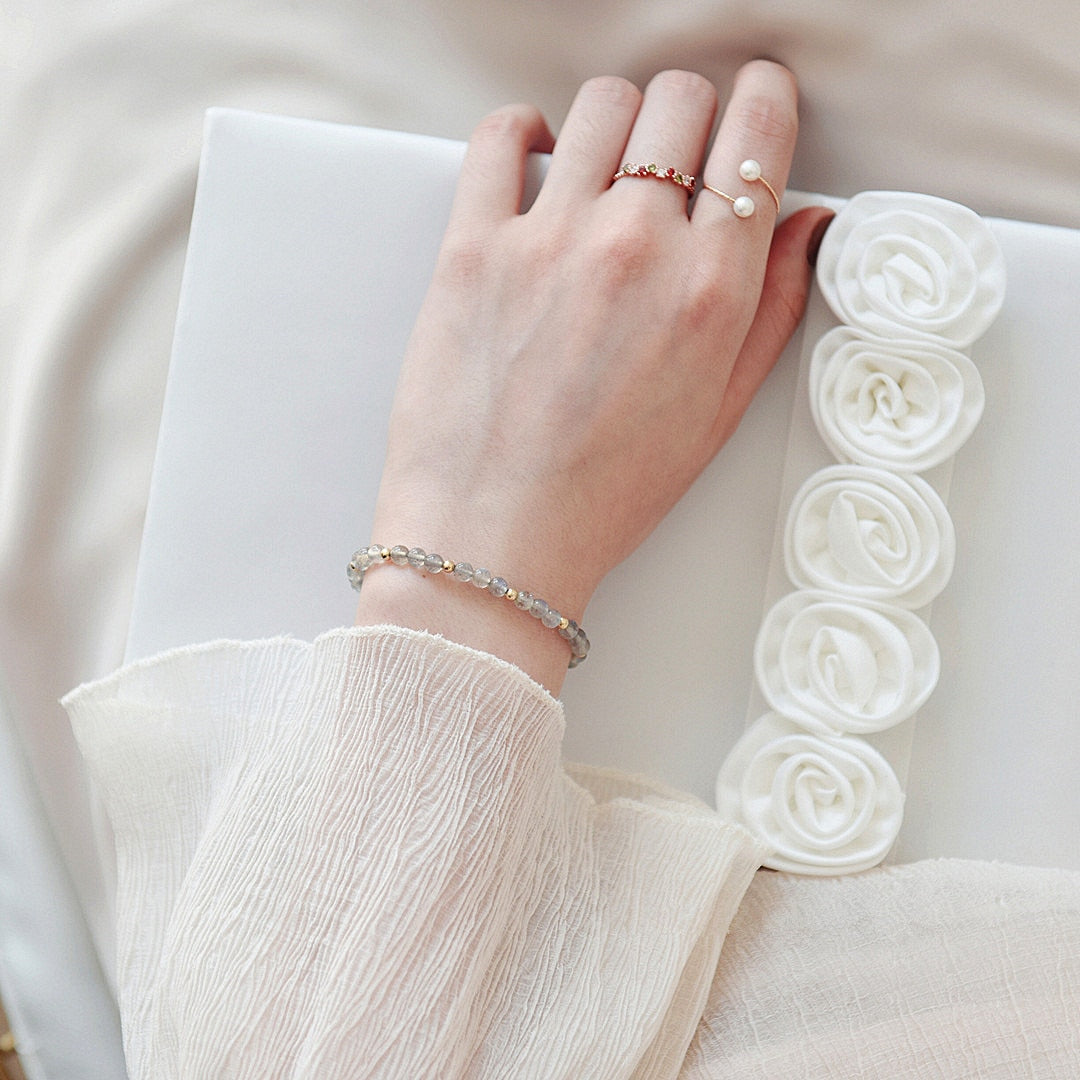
x=375, y=555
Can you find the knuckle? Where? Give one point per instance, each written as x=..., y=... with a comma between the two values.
x=712, y=300
x=703, y=304
x=515, y=122
x=464, y=256
x=612, y=89
x=772, y=70
x=626, y=248
x=686, y=85
x=764, y=117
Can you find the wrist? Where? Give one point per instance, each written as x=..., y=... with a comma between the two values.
x=472, y=606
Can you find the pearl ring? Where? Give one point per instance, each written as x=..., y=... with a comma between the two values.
x=743, y=206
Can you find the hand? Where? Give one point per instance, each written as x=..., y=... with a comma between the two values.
x=574, y=368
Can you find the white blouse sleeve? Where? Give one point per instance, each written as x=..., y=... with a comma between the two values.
x=363, y=857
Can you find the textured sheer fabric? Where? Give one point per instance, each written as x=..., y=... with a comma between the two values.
x=364, y=858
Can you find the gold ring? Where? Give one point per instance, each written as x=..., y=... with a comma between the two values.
x=657, y=172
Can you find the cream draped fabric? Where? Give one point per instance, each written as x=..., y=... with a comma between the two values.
x=100, y=122
x=940, y=969
x=363, y=857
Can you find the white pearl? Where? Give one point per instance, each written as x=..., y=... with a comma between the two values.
x=750, y=170
x=743, y=206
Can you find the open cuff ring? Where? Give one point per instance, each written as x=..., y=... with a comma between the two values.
x=742, y=205
x=657, y=172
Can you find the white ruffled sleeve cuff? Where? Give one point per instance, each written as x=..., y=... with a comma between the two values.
x=363, y=856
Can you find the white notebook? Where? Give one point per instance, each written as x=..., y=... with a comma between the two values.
x=310, y=251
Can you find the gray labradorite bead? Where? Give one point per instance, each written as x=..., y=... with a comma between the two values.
x=356, y=575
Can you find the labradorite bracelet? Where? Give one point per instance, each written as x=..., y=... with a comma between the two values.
x=376, y=555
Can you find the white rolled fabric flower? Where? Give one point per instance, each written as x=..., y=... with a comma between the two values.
x=869, y=534
x=901, y=405
x=896, y=262
x=825, y=805
x=839, y=667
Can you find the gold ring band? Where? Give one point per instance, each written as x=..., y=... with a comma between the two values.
x=657, y=172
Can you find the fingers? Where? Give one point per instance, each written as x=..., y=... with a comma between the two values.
x=783, y=300
x=611, y=122
x=671, y=131
x=493, y=174
x=759, y=124
x=590, y=145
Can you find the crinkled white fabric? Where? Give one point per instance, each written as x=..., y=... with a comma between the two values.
x=363, y=857
x=943, y=969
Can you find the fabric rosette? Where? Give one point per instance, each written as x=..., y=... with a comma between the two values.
x=838, y=667
x=870, y=534
x=895, y=262
x=826, y=805
x=901, y=405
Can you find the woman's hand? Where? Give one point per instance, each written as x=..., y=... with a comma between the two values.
x=575, y=367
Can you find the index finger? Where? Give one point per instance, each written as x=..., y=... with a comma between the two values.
x=492, y=175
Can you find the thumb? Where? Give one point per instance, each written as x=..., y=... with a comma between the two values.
x=783, y=300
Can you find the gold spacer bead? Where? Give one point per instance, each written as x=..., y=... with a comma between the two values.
x=7, y=1043
x=564, y=622
x=384, y=553
x=448, y=566
x=511, y=593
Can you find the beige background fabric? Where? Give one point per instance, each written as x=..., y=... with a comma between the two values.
x=100, y=121
x=102, y=114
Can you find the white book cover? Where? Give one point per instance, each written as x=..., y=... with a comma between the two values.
x=310, y=251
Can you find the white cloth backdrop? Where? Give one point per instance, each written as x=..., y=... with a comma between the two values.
x=100, y=119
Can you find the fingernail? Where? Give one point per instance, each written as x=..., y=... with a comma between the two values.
x=814, y=243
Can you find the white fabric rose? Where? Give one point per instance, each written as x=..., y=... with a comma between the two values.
x=869, y=534
x=894, y=262
x=902, y=405
x=838, y=667
x=826, y=805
